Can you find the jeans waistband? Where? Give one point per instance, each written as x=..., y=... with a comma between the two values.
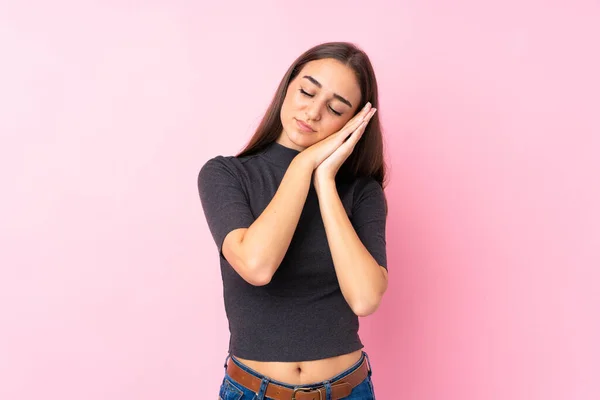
x=342, y=374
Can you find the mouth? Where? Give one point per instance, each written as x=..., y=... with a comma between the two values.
x=304, y=126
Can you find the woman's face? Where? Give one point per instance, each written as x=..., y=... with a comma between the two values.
x=324, y=95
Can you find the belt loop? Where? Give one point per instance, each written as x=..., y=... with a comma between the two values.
x=368, y=362
x=328, y=393
x=226, y=359
x=262, y=392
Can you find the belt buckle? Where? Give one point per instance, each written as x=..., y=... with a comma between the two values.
x=306, y=390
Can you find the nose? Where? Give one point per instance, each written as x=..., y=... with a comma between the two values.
x=313, y=111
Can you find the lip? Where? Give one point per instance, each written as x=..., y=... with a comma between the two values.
x=304, y=126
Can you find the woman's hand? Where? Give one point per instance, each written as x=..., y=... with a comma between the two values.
x=328, y=168
x=320, y=151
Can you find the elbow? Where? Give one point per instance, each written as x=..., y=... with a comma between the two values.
x=367, y=305
x=366, y=308
x=250, y=267
x=258, y=280
x=364, y=311
x=257, y=274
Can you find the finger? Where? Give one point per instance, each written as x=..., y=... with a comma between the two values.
x=357, y=134
x=355, y=122
x=366, y=109
x=366, y=120
x=366, y=116
x=348, y=130
x=364, y=113
x=371, y=113
x=361, y=130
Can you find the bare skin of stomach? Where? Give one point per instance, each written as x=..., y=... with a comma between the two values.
x=303, y=372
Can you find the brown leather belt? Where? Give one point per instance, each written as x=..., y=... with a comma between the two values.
x=339, y=388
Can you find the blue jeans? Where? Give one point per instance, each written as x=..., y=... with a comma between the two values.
x=231, y=390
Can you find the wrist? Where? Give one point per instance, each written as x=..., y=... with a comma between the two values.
x=323, y=183
x=304, y=162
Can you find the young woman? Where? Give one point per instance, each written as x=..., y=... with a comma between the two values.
x=299, y=220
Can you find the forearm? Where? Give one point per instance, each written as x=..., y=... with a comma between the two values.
x=266, y=241
x=361, y=278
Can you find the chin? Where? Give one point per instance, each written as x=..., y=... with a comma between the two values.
x=301, y=139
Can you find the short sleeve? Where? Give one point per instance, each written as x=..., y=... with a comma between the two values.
x=223, y=199
x=369, y=213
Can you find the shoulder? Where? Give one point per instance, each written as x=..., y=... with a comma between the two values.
x=221, y=162
x=217, y=165
x=222, y=169
x=365, y=185
x=368, y=193
x=218, y=162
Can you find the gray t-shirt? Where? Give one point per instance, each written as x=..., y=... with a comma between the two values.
x=301, y=314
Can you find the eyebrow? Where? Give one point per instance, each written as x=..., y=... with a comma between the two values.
x=337, y=96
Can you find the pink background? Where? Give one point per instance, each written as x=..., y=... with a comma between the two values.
x=109, y=280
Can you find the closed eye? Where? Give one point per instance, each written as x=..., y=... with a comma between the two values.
x=306, y=93
x=312, y=95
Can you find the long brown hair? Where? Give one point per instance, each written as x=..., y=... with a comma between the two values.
x=367, y=158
